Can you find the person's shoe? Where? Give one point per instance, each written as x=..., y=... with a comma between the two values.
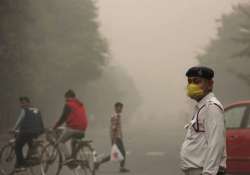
x=96, y=165
x=124, y=170
x=20, y=168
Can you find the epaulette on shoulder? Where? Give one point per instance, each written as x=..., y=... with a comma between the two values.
x=213, y=102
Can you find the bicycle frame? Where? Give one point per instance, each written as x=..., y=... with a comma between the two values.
x=10, y=156
x=83, y=162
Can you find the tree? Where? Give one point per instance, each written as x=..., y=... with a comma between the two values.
x=12, y=75
x=229, y=54
x=47, y=47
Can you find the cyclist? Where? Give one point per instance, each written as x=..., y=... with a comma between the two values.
x=75, y=117
x=30, y=126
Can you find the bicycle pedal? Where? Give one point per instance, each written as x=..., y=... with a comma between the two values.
x=72, y=165
x=68, y=162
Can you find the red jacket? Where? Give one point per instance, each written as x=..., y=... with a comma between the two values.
x=77, y=118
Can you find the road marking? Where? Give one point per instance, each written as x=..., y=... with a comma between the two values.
x=155, y=153
x=130, y=153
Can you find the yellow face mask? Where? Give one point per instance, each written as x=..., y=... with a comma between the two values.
x=193, y=91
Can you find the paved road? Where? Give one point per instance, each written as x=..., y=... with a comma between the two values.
x=149, y=153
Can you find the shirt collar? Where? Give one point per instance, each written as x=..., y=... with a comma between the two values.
x=205, y=99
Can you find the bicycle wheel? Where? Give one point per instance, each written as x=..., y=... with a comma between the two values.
x=7, y=159
x=51, y=160
x=86, y=156
x=35, y=160
x=80, y=171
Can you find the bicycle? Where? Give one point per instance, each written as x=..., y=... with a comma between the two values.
x=8, y=156
x=53, y=158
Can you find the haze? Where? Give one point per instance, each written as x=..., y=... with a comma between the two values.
x=156, y=41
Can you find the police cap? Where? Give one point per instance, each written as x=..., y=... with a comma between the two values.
x=200, y=71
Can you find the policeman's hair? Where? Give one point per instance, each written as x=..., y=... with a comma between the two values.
x=70, y=94
x=118, y=104
x=24, y=98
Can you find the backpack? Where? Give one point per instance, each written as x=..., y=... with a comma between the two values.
x=32, y=121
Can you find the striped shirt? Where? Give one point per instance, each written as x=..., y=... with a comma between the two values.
x=116, y=127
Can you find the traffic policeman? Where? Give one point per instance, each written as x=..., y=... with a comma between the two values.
x=203, y=149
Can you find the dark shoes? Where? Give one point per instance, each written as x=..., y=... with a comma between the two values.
x=20, y=168
x=96, y=165
x=124, y=170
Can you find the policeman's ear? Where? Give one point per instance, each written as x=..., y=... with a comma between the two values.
x=210, y=84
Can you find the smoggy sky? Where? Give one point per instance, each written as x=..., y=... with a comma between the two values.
x=157, y=40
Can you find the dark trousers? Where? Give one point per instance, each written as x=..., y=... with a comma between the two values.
x=21, y=140
x=121, y=147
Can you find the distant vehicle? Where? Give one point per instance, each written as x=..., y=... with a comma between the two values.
x=237, y=116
